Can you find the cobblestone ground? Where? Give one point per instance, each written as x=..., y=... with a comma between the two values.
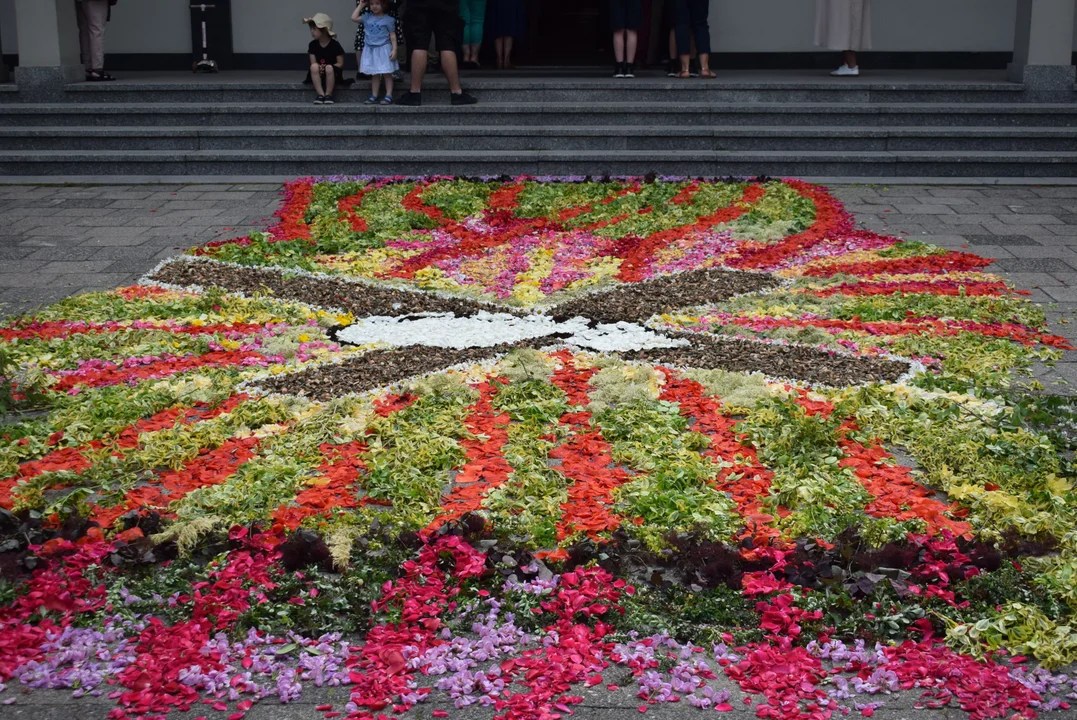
x=61, y=241
x=57, y=241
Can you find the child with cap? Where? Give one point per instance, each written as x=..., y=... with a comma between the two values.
x=325, y=53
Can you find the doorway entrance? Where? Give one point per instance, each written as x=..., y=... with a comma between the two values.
x=568, y=32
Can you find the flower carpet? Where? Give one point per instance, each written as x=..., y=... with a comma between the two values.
x=512, y=441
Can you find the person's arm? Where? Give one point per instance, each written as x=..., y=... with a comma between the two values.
x=340, y=60
x=313, y=60
x=392, y=39
x=358, y=12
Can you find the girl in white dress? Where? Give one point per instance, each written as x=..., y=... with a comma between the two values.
x=379, y=48
x=844, y=25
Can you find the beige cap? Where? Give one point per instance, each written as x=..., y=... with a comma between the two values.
x=321, y=20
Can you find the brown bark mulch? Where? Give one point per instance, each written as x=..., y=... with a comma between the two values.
x=360, y=299
x=639, y=301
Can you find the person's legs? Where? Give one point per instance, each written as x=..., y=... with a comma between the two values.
x=452, y=72
x=417, y=29
x=631, y=38
x=84, y=36
x=445, y=21
x=96, y=19
x=375, y=84
x=849, y=57
x=418, y=69
x=499, y=46
x=317, y=76
x=698, y=11
x=388, y=84
x=508, y=52
x=330, y=81
x=619, y=45
x=682, y=28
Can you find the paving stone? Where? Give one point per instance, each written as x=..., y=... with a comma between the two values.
x=992, y=251
x=963, y=219
x=1029, y=219
x=1062, y=294
x=1043, y=251
x=74, y=266
x=1032, y=265
x=25, y=280
x=1027, y=280
x=114, y=240
x=922, y=209
x=1004, y=240
x=955, y=192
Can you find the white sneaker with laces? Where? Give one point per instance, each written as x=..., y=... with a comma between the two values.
x=846, y=71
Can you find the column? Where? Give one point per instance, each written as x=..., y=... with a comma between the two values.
x=48, y=46
x=1043, y=46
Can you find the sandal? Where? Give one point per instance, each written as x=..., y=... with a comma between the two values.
x=387, y=100
x=372, y=100
x=98, y=76
x=683, y=75
x=707, y=73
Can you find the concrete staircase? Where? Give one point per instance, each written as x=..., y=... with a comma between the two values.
x=796, y=125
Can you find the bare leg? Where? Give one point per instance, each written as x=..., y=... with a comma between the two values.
x=375, y=85
x=499, y=45
x=452, y=72
x=685, y=60
x=418, y=69
x=330, y=80
x=316, y=76
x=849, y=56
x=630, y=46
x=508, y=52
x=619, y=46
x=389, y=84
x=705, y=65
x=358, y=61
x=672, y=44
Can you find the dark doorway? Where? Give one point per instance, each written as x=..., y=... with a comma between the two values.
x=568, y=32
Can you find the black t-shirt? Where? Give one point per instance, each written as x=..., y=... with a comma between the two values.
x=326, y=55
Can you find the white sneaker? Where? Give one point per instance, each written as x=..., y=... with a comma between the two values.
x=846, y=71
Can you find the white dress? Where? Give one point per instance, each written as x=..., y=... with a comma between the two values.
x=843, y=24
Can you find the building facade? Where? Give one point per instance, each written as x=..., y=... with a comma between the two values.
x=156, y=34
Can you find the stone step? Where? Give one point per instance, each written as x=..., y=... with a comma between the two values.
x=353, y=161
x=653, y=87
x=541, y=138
x=582, y=114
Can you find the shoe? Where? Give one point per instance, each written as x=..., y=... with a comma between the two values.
x=387, y=100
x=319, y=100
x=618, y=70
x=630, y=70
x=328, y=100
x=846, y=71
x=373, y=99
x=672, y=68
x=462, y=98
x=410, y=99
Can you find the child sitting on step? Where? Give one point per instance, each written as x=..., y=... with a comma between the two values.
x=326, y=58
x=378, y=59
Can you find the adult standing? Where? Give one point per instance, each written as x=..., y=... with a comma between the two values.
x=844, y=25
x=507, y=23
x=473, y=13
x=92, y=16
x=439, y=19
x=690, y=25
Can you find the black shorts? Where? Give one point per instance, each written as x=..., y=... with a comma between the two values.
x=626, y=14
x=437, y=18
